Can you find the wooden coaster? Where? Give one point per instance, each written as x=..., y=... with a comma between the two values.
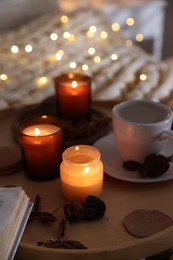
x=143, y=223
x=10, y=160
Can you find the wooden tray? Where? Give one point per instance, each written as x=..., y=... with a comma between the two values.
x=84, y=131
x=106, y=239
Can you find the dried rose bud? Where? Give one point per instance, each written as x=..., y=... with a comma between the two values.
x=94, y=208
x=154, y=166
x=73, y=211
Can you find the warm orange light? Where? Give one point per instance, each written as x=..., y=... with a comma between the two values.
x=36, y=132
x=74, y=84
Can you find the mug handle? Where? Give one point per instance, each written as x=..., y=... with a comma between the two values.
x=167, y=134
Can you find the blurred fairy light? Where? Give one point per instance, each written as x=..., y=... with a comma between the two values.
x=42, y=81
x=93, y=29
x=129, y=43
x=3, y=77
x=71, y=38
x=139, y=37
x=130, y=21
x=97, y=59
x=54, y=36
x=90, y=34
x=51, y=58
x=66, y=35
x=85, y=67
x=115, y=27
x=114, y=56
x=143, y=77
x=28, y=48
x=73, y=65
x=91, y=50
x=59, y=54
x=14, y=49
x=64, y=19
x=103, y=34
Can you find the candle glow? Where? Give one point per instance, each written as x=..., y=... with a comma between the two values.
x=81, y=172
x=73, y=93
x=41, y=142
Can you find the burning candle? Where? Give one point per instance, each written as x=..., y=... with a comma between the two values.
x=41, y=142
x=73, y=94
x=81, y=172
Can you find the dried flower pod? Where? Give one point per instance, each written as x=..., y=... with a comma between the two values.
x=94, y=208
x=73, y=211
x=154, y=166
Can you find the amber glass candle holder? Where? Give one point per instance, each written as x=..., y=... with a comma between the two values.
x=41, y=141
x=73, y=95
x=81, y=172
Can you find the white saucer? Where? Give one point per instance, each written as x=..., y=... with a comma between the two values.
x=113, y=164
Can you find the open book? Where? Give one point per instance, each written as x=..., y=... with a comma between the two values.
x=15, y=207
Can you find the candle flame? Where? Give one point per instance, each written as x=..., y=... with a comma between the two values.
x=74, y=84
x=36, y=132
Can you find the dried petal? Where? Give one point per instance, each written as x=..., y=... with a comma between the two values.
x=73, y=244
x=67, y=244
x=37, y=204
x=132, y=165
x=62, y=229
x=44, y=216
x=51, y=243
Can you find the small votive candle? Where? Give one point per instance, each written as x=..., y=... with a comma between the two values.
x=73, y=94
x=41, y=140
x=81, y=173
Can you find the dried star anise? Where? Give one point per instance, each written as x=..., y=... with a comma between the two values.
x=61, y=241
x=40, y=215
x=154, y=165
x=94, y=208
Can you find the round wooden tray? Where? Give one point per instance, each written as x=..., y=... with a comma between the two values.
x=105, y=239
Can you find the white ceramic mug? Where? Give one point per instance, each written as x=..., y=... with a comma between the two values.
x=140, y=128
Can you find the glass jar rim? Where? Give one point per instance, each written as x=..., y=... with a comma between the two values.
x=76, y=150
x=42, y=119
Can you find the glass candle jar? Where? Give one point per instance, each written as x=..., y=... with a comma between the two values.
x=73, y=95
x=41, y=140
x=81, y=173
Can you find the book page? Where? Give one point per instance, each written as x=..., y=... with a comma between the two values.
x=8, y=199
x=13, y=206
